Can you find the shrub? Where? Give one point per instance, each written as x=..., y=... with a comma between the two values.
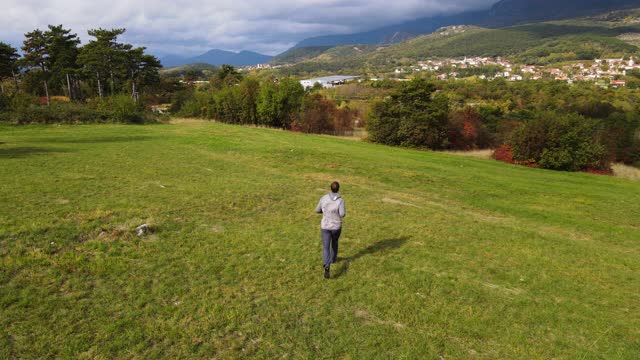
x=465, y=130
x=58, y=113
x=4, y=103
x=179, y=99
x=120, y=108
x=21, y=101
x=227, y=105
x=621, y=137
x=321, y=116
x=123, y=108
x=200, y=104
x=412, y=116
x=504, y=153
x=560, y=142
x=278, y=105
x=247, y=92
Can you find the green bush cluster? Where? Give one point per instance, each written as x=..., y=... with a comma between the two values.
x=560, y=142
x=283, y=104
x=546, y=124
x=123, y=108
x=249, y=102
x=413, y=115
x=505, y=106
x=25, y=109
x=4, y=103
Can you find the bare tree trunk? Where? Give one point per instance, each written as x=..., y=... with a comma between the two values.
x=46, y=92
x=134, y=93
x=112, y=82
x=69, y=87
x=15, y=79
x=76, y=89
x=99, y=85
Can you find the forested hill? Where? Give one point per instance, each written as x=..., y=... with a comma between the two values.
x=503, y=13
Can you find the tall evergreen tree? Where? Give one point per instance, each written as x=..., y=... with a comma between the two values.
x=8, y=62
x=62, y=51
x=142, y=68
x=35, y=56
x=105, y=59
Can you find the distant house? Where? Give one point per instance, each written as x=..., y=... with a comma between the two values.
x=327, y=81
x=618, y=83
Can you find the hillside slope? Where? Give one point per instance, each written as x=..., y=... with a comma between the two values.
x=502, y=13
x=441, y=255
x=612, y=34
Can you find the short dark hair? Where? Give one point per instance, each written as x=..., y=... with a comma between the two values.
x=335, y=186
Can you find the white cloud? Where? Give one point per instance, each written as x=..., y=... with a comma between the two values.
x=194, y=26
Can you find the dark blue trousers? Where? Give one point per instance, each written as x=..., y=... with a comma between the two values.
x=330, y=246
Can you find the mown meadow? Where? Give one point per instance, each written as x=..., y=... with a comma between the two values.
x=442, y=256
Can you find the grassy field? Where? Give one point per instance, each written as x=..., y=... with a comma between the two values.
x=443, y=256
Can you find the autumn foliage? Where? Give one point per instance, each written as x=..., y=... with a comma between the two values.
x=321, y=116
x=465, y=130
x=504, y=153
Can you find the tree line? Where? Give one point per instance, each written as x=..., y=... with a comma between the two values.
x=271, y=102
x=541, y=124
x=54, y=63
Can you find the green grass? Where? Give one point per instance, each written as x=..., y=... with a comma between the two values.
x=443, y=255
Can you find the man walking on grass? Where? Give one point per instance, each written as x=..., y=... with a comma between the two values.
x=331, y=206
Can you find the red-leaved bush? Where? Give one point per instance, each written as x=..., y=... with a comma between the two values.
x=321, y=116
x=465, y=130
x=599, y=171
x=504, y=153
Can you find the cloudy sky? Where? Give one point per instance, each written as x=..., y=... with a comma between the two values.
x=195, y=26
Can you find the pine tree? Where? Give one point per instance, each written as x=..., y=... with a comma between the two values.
x=36, y=57
x=8, y=62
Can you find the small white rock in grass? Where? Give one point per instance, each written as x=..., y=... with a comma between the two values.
x=142, y=229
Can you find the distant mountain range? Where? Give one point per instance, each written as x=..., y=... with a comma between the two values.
x=218, y=57
x=503, y=13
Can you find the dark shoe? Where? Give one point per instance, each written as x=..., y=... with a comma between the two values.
x=326, y=272
x=335, y=260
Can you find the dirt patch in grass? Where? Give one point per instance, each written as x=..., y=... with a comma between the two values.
x=510, y=291
x=398, y=202
x=371, y=319
x=564, y=233
x=484, y=216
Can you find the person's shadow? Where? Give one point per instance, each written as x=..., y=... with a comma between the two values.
x=380, y=246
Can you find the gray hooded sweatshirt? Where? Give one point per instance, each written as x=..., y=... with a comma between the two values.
x=331, y=206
